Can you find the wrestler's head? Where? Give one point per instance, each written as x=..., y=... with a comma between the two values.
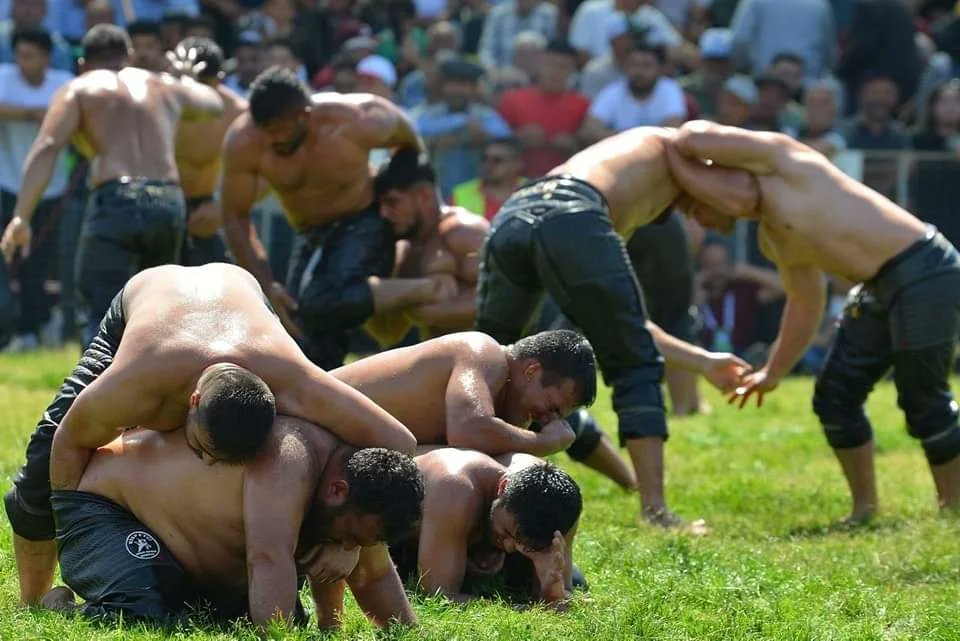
x=280, y=107
x=231, y=413
x=551, y=374
x=406, y=189
x=374, y=497
x=105, y=46
x=210, y=54
x=531, y=505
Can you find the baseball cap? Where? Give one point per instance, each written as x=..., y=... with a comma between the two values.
x=716, y=43
x=378, y=67
x=743, y=88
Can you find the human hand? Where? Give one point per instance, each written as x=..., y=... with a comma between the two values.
x=724, y=371
x=548, y=564
x=17, y=234
x=555, y=436
x=442, y=287
x=759, y=383
x=204, y=221
x=283, y=304
x=329, y=563
x=183, y=62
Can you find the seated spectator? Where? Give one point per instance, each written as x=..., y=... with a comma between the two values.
x=148, y=49
x=772, y=98
x=935, y=188
x=500, y=175
x=376, y=75
x=26, y=89
x=704, y=84
x=248, y=63
x=608, y=68
x=822, y=103
x=528, y=47
x=589, y=27
x=353, y=51
x=737, y=101
x=764, y=28
x=425, y=79
x=282, y=52
x=344, y=78
x=789, y=69
x=644, y=97
x=547, y=117
x=731, y=299
x=457, y=128
x=509, y=18
x=26, y=14
x=874, y=126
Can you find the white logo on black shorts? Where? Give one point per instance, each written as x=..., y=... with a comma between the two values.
x=142, y=545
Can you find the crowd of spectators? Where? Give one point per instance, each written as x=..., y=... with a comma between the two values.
x=503, y=90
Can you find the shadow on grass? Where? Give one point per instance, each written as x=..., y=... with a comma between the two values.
x=815, y=531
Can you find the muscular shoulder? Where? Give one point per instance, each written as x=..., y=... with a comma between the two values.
x=463, y=232
x=242, y=136
x=449, y=475
x=329, y=105
x=233, y=103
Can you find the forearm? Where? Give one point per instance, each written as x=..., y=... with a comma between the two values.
x=272, y=590
x=246, y=248
x=40, y=164
x=455, y=314
x=384, y=601
x=328, y=599
x=390, y=294
x=798, y=328
x=494, y=436
x=67, y=464
x=676, y=352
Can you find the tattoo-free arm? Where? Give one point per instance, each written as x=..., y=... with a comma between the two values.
x=378, y=590
x=806, y=298
x=756, y=152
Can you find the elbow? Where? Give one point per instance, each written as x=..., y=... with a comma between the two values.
x=467, y=437
x=405, y=442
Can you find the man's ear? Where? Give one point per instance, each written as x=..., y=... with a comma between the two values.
x=195, y=399
x=501, y=486
x=336, y=493
x=532, y=368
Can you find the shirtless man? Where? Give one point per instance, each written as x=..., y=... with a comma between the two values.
x=169, y=334
x=125, y=120
x=198, y=159
x=564, y=233
x=138, y=539
x=906, y=314
x=477, y=510
x=313, y=151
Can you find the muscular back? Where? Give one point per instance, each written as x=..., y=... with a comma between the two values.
x=198, y=147
x=630, y=170
x=127, y=123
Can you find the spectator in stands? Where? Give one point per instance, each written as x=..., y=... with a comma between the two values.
x=97, y=12
x=248, y=57
x=376, y=75
x=458, y=127
x=282, y=52
x=547, y=117
x=500, y=175
x=509, y=18
x=608, y=68
x=26, y=89
x=148, y=49
x=880, y=43
x=26, y=14
x=528, y=47
x=935, y=185
x=424, y=81
x=353, y=50
x=201, y=27
x=789, y=68
x=737, y=101
x=773, y=95
x=469, y=16
x=644, y=97
x=403, y=41
x=589, y=29
x=764, y=28
x=731, y=299
x=874, y=126
x=704, y=84
x=156, y=10
x=822, y=103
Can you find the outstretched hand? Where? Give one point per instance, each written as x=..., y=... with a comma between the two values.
x=17, y=234
x=759, y=383
x=329, y=563
x=725, y=371
x=183, y=62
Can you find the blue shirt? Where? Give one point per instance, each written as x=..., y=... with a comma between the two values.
x=60, y=57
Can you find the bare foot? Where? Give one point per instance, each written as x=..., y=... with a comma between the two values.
x=860, y=516
x=59, y=599
x=662, y=517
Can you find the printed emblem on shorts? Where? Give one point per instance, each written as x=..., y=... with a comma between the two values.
x=142, y=545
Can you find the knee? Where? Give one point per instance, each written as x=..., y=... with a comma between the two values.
x=33, y=525
x=588, y=435
x=943, y=447
x=844, y=422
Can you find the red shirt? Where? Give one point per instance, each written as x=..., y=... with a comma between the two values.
x=555, y=113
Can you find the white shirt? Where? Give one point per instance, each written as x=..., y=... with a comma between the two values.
x=16, y=136
x=588, y=29
x=618, y=109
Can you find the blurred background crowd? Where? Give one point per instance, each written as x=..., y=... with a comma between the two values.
x=505, y=90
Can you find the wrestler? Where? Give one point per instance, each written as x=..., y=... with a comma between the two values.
x=905, y=314
x=564, y=234
x=124, y=119
x=313, y=150
x=180, y=345
x=152, y=530
x=198, y=159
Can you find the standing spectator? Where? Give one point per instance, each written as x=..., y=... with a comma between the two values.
x=148, y=49
x=789, y=68
x=935, y=188
x=547, y=117
x=764, y=28
x=608, y=68
x=704, y=84
x=822, y=103
x=500, y=175
x=589, y=30
x=772, y=98
x=97, y=12
x=458, y=127
x=29, y=14
x=509, y=18
x=645, y=97
x=880, y=43
x=424, y=80
x=248, y=59
x=26, y=89
x=470, y=16
x=737, y=101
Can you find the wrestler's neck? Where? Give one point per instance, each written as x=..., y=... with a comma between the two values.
x=430, y=225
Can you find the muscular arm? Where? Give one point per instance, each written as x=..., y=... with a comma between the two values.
x=806, y=298
x=378, y=590
x=59, y=124
x=384, y=125
x=460, y=311
x=732, y=192
x=723, y=371
x=756, y=152
x=276, y=489
x=198, y=102
x=444, y=535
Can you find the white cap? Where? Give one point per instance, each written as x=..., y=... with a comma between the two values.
x=716, y=43
x=378, y=67
x=616, y=25
x=743, y=88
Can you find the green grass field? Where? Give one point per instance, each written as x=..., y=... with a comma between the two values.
x=764, y=480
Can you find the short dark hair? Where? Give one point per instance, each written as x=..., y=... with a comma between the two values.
x=208, y=51
x=285, y=42
x=407, y=167
x=37, y=36
x=788, y=56
x=237, y=409
x=145, y=28
x=563, y=354
x=387, y=484
x=543, y=499
x=276, y=92
x=105, y=43
x=561, y=47
x=642, y=45
x=510, y=142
